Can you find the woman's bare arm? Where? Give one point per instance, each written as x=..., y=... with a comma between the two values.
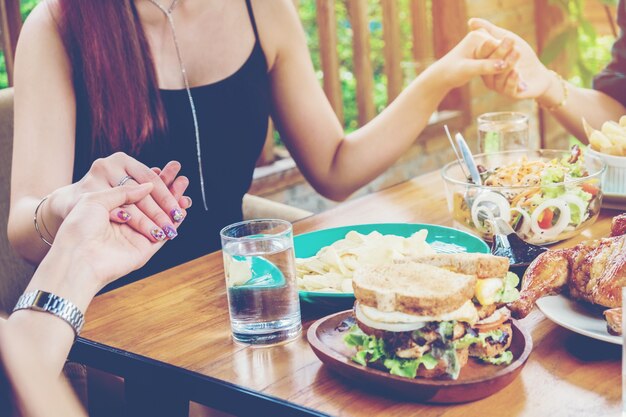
x=593, y=105
x=337, y=164
x=44, y=129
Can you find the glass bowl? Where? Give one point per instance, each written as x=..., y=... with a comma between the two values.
x=540, y=211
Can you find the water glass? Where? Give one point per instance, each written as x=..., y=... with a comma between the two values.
x=502, y=131
x=260, y=272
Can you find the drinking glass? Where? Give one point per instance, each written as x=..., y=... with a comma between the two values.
x=502, y=131
x=260, y=272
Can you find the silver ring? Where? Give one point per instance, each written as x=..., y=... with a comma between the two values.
x=124, y=180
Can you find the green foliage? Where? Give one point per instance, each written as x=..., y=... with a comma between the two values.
x=344, y=50
x=586, y=53
x=26, y=6
x=4, y=82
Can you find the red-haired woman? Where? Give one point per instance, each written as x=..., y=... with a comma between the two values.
x=135, y=84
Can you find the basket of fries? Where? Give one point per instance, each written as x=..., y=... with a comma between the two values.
x=609, y=144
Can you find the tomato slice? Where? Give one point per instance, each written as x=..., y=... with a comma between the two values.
x=590, y=188
x=546, y=219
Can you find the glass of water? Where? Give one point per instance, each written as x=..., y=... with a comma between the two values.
x=260, y=272
x=502, y=131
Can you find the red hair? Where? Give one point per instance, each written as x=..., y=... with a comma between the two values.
x=112, y=64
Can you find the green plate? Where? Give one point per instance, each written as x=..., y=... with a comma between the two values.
x=443, y=239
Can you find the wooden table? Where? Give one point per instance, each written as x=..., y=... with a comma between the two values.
x=169, y=336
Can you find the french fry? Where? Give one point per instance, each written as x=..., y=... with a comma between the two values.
x=598, y=140
x=610, y=139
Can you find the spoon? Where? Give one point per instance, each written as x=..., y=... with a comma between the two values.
x=456, y=153
x=468, y=158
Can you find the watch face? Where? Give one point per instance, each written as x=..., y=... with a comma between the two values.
x=42, y=301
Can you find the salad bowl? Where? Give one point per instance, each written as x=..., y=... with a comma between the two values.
x=545, y=195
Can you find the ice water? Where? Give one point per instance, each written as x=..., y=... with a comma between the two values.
x=502, y=131
x=262, y=290
x=505, y=138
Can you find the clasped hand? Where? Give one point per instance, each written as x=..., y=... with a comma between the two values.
x=155, y=216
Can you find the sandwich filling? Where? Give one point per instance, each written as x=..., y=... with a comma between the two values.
x=417, y=335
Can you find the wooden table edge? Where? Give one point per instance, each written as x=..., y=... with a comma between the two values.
x=222, y=395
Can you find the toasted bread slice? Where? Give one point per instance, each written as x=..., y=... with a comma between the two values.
x=480, y=264
x=412, y=288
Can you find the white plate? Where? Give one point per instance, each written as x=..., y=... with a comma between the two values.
x=576, y=317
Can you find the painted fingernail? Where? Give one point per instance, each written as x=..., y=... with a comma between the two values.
x=177, y=215
x=500, y=65
x=123, y=215
x=522, y=86
x=170, y=232
x=157, y=234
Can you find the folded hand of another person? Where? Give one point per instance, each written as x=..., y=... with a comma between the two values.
x=110, y=249
x=528, y=78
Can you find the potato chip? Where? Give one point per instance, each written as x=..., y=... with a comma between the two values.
x=332, y=268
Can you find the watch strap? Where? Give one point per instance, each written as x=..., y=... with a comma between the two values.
x=44, y=301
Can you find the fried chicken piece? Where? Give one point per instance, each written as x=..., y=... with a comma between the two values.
x=546, y=275
x=594, y=271
x=618, y=225
x=613, y=318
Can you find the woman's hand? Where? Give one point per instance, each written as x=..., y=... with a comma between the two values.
x=460, y=65
x=529, y=79
x=154, y=216
x=112, y=249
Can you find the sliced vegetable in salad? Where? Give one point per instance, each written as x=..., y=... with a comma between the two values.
x=540, y=199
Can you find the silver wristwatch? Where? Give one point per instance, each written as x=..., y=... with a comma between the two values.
x=50, y=303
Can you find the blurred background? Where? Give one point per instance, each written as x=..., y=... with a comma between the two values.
x=366, y=51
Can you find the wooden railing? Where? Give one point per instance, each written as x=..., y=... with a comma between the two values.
x=429, y=41
x=10, y=25
x=436, y=26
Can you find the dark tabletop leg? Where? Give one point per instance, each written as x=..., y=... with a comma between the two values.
x=154, y=399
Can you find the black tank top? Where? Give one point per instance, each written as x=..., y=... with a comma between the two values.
x=233, y=119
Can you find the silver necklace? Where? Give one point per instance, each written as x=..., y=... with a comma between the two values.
x=170, y=18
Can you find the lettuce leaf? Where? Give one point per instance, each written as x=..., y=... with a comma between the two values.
x=503, y=359
x=576, y=216
x=408, y=367
x=369, y=348
x=372, y=349
x=469, y=340
x=446, y=330
x=509, y=292
x=552, y=174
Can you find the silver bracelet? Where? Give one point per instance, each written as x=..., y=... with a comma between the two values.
x=41, y=236
x=44, y=301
